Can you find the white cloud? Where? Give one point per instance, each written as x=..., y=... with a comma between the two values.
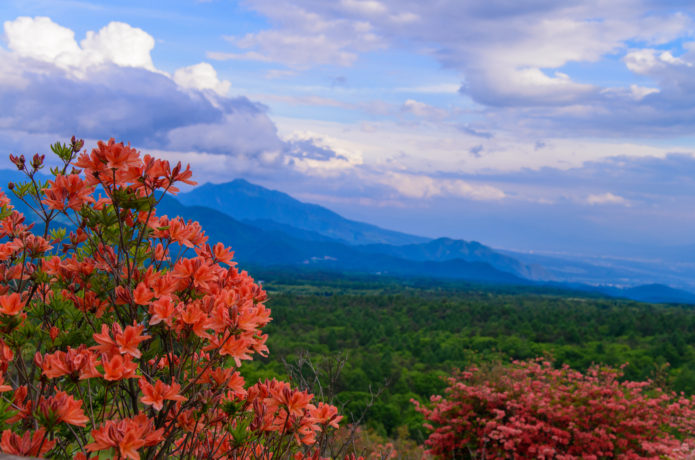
x=606, y=198
x=304, y=38
x=202, y=77
x=422, y=186
x=429, y=148
x=499, y=47
x=640, y=92
x=43, y=40
x=295, y=50
x=441, y=88
x=645, y=61
x=423, y=110
x=364, y=7
x=120, y=44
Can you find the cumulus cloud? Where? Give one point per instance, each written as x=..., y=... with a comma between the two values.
x=201, y=76
x=120, y=44
x=43, y=40
x=107, y=86
x=116, y=44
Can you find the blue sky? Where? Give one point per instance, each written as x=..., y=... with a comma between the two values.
x=529, y=125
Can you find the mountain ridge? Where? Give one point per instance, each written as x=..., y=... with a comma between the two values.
x=255, y=202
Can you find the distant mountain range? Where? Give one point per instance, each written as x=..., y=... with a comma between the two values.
x=271, y=246
x=272, y=229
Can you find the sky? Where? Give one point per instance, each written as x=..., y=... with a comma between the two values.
x=532, y=125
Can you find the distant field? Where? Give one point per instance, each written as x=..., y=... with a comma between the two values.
x=403, y=336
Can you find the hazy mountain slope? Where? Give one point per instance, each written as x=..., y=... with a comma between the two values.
x=605, y=270
x=274, y=248
x=443, y=249
x=271, y=225
x=245, y=201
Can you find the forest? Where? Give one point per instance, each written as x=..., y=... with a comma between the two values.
x=400, y=338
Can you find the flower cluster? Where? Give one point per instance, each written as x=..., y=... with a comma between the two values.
x=532, y=410
x=122, y=334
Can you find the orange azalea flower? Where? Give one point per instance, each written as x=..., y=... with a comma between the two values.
x=223, y=255
x=294, y=401
x=326, y=414
x=219, y=319
x=29, y=445
x=254, y=318
x=127, y=435
x=11, y=304
x=162, y=309
x=182, y=176
x=155, y=395
x=51, y=265
x=67, y=188
x=129, y=340
x=164, y=285
x=124, y=341
x=106, y=343
x=238, y=347
x=142, y=294
x=7, y=250
x=191, y=314
x=80, y=362
x=34, y=245
x=105, y=158
x=118, y=368
x=120, y=156
x=64, y=407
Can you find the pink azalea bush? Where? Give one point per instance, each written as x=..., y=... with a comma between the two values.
x=532, y=410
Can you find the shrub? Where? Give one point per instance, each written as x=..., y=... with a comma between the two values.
x=122, y=335
x=532, y=410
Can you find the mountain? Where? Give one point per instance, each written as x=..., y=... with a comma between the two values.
x=245, y=201
x=444, y=249
x=611, y=270
x=341, y=242
x=657, y=293
x=273, y=248
x=273, y=210
x=268, y=244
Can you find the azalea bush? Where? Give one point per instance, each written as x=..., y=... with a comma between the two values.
x=122, y=331
x=532, y=410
